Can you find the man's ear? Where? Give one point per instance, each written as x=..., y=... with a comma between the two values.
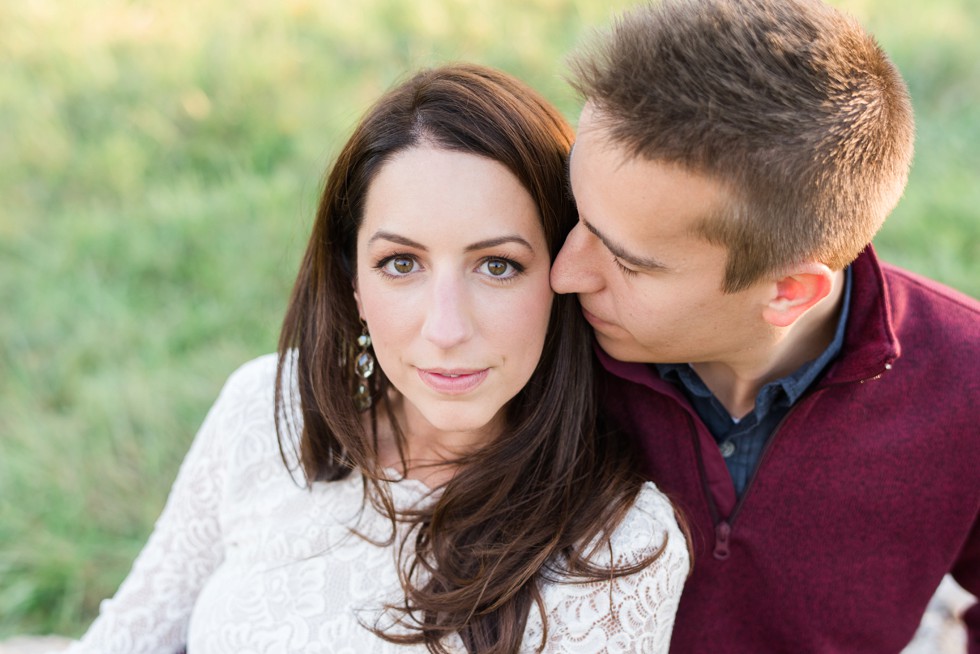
x=795, y=292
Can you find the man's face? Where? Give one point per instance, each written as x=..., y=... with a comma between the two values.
x=649, y=284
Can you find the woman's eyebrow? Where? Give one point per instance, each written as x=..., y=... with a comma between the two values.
x=396, y=238
x=479, y=245
x=500, y=240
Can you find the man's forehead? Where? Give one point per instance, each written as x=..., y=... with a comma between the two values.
x=626, y=196
x=587, y=115
x=614, y=157
x=592, y=117
x=598, y=128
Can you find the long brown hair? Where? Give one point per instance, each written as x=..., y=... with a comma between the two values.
x=552, y=483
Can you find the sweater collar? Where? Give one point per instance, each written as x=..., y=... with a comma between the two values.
x=870, y=343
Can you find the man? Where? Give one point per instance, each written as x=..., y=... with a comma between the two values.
x=810, y=410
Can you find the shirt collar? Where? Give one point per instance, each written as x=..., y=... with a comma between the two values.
x=791, y=386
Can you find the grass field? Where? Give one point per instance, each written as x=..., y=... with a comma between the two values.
x=159, y=166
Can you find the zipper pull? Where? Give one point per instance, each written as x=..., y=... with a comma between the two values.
x=723, y=532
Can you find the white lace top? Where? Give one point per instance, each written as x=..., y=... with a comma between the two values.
x=244, y=560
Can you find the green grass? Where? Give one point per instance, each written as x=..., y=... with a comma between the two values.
x=159, y=167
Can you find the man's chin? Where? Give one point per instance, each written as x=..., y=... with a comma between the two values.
x=629, y=351
x=619, y=350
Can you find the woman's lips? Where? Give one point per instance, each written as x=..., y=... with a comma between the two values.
x=452, y=382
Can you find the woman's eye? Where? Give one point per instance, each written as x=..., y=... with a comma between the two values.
x=496, y=268
x=399, y=265
x=500, y=268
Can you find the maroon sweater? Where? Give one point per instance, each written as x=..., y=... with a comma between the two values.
x=867, y=493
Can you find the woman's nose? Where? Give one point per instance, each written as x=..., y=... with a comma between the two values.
x=448, y=319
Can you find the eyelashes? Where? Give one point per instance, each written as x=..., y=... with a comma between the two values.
x=500, y=267
x=402, y=265
x=396, y=265
x=629, y=272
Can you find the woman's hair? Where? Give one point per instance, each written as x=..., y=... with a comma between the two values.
x=552, y=483
x=790, y=104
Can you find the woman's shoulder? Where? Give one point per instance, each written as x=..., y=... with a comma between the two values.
x=255, y=380
x=647, y=527
x=629, y=613
x=240, y=429
x=246, y=403
x=258, y=373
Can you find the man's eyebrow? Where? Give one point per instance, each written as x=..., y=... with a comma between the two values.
x=479, y=245
x=647, y=263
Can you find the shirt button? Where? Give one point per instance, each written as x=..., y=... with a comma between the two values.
x=727, y=449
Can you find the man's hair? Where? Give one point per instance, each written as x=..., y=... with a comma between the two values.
x=789, y=104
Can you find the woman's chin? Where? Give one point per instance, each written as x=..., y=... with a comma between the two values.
x=472, y=425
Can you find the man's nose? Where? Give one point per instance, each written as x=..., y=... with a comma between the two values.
x=448, y=318
x=576, y=268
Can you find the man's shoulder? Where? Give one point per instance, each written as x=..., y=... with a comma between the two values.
x=932, y=321
x=905, y=285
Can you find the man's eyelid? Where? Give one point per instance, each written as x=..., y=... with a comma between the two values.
x=619, y=262
x=638, y=264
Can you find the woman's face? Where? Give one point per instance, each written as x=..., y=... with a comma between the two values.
x=452, y=280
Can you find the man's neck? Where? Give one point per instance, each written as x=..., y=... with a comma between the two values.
x=736, y=383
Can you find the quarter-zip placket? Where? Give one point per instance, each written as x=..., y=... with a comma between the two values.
x=723, y=526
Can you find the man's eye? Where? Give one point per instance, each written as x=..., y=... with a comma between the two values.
x=629, y=272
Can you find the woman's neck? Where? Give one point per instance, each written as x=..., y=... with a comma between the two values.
x=428, y=453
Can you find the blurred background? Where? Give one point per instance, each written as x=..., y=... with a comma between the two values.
x=159, y=169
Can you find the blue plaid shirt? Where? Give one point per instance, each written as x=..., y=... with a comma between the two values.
x=742, y=441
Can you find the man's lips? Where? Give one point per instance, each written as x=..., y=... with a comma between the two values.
x=594, y=320
x=452, y=381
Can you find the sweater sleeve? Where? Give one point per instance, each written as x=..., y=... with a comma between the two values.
x=634, y=613
x=151, y=610
x=966, y=572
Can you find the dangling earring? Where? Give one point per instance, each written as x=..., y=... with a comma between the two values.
x=363, y=368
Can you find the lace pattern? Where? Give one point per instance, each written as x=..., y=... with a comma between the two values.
x=244, y=559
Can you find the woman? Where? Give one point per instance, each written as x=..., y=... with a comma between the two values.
x=438, y=483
